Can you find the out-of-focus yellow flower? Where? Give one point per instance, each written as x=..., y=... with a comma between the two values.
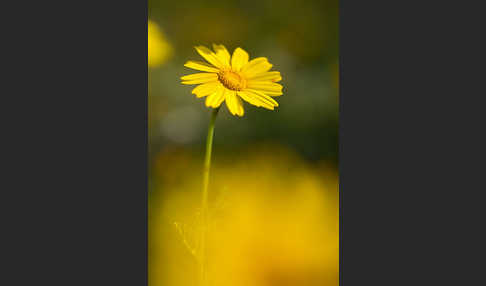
x=271, y=225
x=232, y=78
x=159, y=50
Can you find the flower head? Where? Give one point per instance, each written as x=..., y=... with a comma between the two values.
x=233, y=78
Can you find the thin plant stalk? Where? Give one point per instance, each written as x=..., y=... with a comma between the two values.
x=204, y=201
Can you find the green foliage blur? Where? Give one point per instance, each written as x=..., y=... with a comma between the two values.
x=300, y=38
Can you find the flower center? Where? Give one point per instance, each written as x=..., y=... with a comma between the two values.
x=231, y=80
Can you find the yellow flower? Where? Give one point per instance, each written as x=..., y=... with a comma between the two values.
x=159, y=50
x=233, y=78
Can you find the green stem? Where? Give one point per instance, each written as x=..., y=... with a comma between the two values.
x=204, y=202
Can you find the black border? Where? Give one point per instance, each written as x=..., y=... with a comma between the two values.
x=409, y=119
x=75, y=150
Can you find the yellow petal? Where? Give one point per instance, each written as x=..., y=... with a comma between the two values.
x=201, y=66
x=199, y=78
x=222, y=54
x=233, y=102
x=207, y=88
x=258, y=98
x=266, y=92
x=209, y=56
x=267, y=87
x=256, y=101
x=271, y=76
x=239, y=59
x=215, y=99
x=256, y=66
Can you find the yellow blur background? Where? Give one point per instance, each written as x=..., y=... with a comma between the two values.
x=273, y=193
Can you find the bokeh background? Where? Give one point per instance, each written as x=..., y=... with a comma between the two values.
x=274, y=182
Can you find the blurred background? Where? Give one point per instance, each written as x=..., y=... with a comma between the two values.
x=274, y=199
